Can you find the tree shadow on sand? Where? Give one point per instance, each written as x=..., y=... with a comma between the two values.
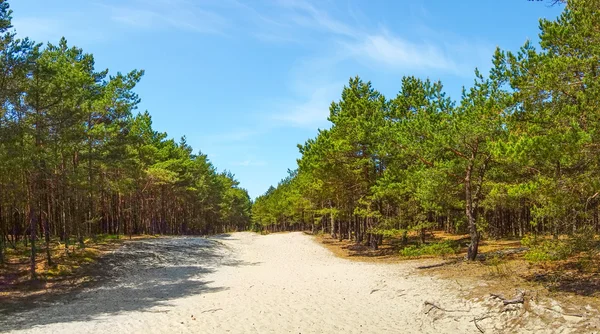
x=137, y=277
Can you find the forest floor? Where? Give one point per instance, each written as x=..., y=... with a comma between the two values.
x=279, y=283
x=69, y=269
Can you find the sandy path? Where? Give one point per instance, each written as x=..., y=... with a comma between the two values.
x=246, y=283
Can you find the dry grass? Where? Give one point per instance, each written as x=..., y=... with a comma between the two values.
x=350, y=250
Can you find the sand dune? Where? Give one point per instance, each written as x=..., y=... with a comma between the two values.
x=246, y=283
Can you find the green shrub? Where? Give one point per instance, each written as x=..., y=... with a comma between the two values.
x=410, y=251
x=550, y=250
x=584, y=239
x=529, y=240
x=437, y=248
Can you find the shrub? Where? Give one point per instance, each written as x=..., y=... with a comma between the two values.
x=550, y=250
x=583, y=240
x=553, y=250
x=437, y=248
x=529, y=241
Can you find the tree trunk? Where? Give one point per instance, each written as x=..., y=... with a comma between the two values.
x=33, y=228
x=46, y=217
x=474, y=245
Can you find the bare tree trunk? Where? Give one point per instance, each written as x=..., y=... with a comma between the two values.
x=474, y=245
x=46, y=217
x=33, y=228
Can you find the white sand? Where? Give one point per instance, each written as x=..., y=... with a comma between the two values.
x=281, y=283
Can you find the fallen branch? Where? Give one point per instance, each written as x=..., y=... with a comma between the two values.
x=437, y=265
x=502, y=253
x=519, y=298
x=428, y=303
x=477, y=325
x=433, y=306
x=479, y=319
x=566, y=314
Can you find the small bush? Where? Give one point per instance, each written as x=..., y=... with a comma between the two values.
x=550, y=250
x=529, y=241
x=553, y=250
x=583, y=240
x=438, y=249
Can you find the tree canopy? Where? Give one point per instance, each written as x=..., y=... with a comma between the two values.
x=77, y=160
x=516, y=154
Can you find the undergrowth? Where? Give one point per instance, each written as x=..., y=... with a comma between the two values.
x=442, y=248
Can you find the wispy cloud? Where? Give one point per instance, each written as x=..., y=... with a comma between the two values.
x=309, y=16
x=309, y=112
x=397, y=53
x=317, y=80
x=379, y=46
x=51, y=29
x=178, y=14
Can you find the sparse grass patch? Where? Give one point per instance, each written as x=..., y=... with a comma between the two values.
x=107, y=237
x=59, y=270
x=87, y=255
x=498, y=266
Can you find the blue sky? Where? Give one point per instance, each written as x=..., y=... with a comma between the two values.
x=246, y=81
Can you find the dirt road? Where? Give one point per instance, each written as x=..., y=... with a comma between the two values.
x=246, y=283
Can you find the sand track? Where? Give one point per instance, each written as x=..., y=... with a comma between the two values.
x=246, y=283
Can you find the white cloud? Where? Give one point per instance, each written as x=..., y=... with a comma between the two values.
x=317, y=80
x=313, y=18
x=398, y=53
x=310, y=112
x=178, y=14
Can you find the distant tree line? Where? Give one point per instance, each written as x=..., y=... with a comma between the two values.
x=519, y=152
x=76, y=162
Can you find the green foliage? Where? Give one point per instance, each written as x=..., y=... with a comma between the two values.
x=59, y=271
x=517, y=153
x=549, y=250
x=442, y=248
x=530, y=240
x=582, y=241
x=76, y=159
x=106, y=237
